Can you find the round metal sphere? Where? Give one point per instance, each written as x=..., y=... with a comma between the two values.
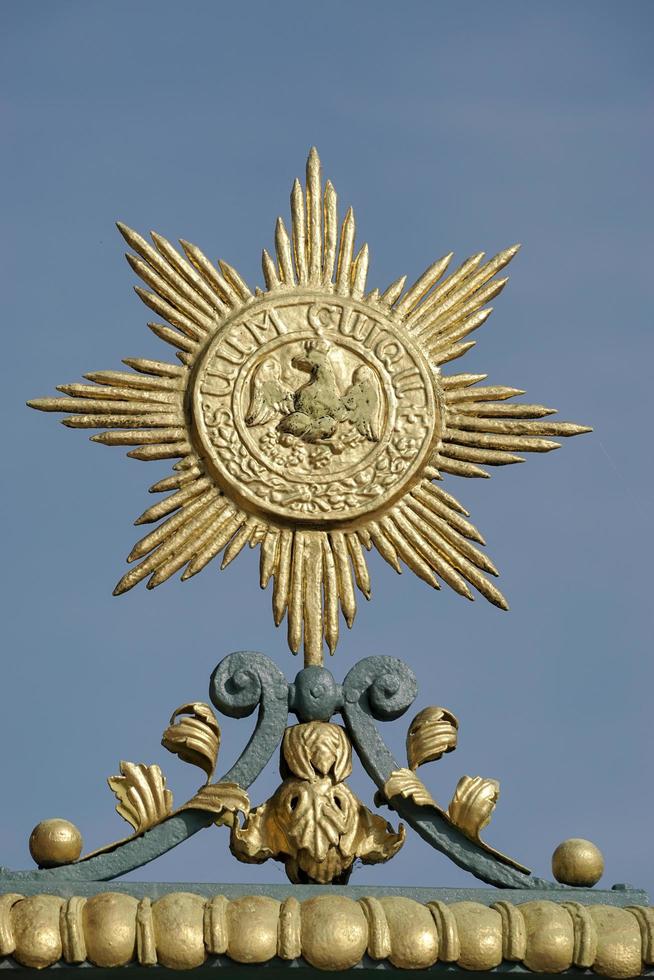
x=54, y=842
x=578, y=862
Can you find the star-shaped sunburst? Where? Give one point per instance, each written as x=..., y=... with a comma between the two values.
x=310, y=419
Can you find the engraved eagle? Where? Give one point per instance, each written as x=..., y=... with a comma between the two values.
x=313, y=412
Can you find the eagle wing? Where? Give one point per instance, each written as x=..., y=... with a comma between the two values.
x=361, y=403
x=269, y=396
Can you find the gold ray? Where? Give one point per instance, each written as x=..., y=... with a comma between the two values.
x=268, y=556
x=239, y=541
x=493, y=440
x=460, y=380
x=190, y=273
x=282, y=575
x=373, y=296
x=230, y=523
x=160, y=399
x=390, y=295
x=449, y=353
x=384, y=546
x=458, y=468
x=440, y=509
x=360, y=272
x=172, y=337
x=313, y=606
x=206, y=542
x=234, y=279
x=204, y=511
x=284, y=254
x=330, y=215
x=174, y=502
x=99, y=406
x=442, y=337
x=134, y=437
x=361, y=574
x=204, y=322
x=170, y=313
x=166, y=270
x=298, y=224
x=175, y=481
x=407, y=552
x=412, y=530
x=345, y=252
x=330, y=582
x=344, y=576
x=502, y=410
x=487, y=393
x=445, y=498
x=467, y=454
x=314, y=217
x=447, y=287
x=210, y=273
x=269, y=271
x=296, y=593
x=422, y=285
x=161, y=421
x=159, y=451
x=420, y=507
x=159, y=369
x=162, y=533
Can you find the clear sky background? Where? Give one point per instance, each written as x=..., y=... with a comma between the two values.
x=448, y=126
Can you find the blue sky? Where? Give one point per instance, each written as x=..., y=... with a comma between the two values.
x=447, y=126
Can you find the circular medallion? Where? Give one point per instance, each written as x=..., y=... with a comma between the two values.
x=315, y=409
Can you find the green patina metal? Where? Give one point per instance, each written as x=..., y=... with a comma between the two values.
x=375, y=689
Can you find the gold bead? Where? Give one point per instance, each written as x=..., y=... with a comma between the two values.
x=54, y=842
x=578, y=862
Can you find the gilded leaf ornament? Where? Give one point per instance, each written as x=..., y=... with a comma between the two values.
x=143, y=799
x=310, y=419
x=194, y=735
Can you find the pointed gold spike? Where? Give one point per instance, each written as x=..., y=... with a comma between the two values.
x=444, y=497
x=268, y=557
x=158, y=369
x=413, y=532
x=451, y=328
x=433, y=522
x=361, y=574
x=458, y=468
x=235, y=280
x=162, y=422
x=446, y=288
x=135, y=437
x=173, y=503
x=298, y=224
x=488, y=393
x=442, y=336
x=284, y=254
x=461, y=380
x=330, y=217
x=200, y=554
x=503, y=410
x=99, y=406
x=449, y=353
x=330, y=580
x=344, y=576
x=169, y=527
x=313, y=610
x=208, y=552
x=269, y=271
x=494, y=440
x=172, y=337
x=282, y=580
x=422, y=285
x=314, y=216
x=176, y=481
x=190, y=273
x=446, y=513
x=166, y=451
x=207, y=269
x=164, y=400
x=491, y=457
x=391, y=294
x=345, y=252
x=194, y=307
x=407, y=552
x=360, y=272
x=238, y=542
x=296, y=593
x=168, y=312
x=383, y=545
x=516, y=427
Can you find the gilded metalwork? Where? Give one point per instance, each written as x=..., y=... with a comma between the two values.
x=314, y=823
x=143, y=798
x=578, y=862
x=54, y=842
x=310, y=419
x=180, y=930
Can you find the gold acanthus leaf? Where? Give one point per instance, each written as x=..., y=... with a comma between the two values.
x=404, y=782
x=432, y=733
x=225, y=800
x=473, y=803
x=143, y=800
x=194, y=735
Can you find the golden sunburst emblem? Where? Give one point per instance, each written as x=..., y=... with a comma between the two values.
x=311, y=418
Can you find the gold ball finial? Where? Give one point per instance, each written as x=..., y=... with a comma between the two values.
x=578, y=862
x=54, y=842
